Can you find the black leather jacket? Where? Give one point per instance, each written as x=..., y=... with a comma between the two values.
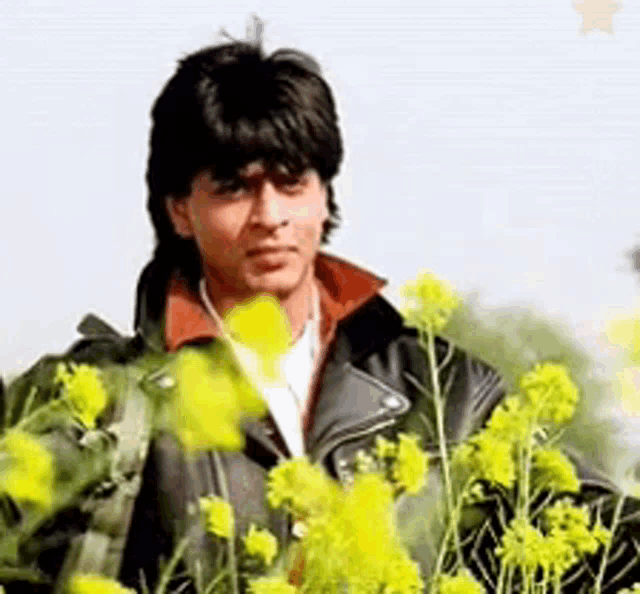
x=369, y=386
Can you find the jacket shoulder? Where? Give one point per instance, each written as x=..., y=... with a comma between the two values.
x=100, y=345
x=472, y=387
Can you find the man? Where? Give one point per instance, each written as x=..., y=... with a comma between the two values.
x=243, y=152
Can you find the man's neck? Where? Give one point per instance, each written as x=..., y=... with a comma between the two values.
x=298, y=305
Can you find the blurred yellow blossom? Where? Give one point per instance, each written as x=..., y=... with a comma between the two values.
x=549, y=391
x=26, y=469
x=553, y=471
x=262, y=327
x=624, y=331
x=84, y=390
x=271, y=585
x=461, y=583
x=261, y=543
x=95, y=584
x=384, y=448
x=627, y=389
x=218, y=515
x=409, y=469
x=210, y=400
x=300, y=487
x=402, y=574
x=430, y=302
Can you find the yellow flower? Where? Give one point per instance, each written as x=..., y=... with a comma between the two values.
x=462, y=583
x=402, y=574
x=95, y=584
x=549, y=391
x=261, y=325
x=218, y=516
x=384, y=448
x=26, y=469
x=300, y=487
x=510, y=421
x=84, y=390
x=352, y=543
x=210, y=400
x=431, y=302
x=486, y=458
x=523, y=545
x=261, y=544
x=271, y=585
x=410, y=465
x=554, y=471
x=570, y=524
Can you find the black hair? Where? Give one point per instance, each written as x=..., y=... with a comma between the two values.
x=225, y=107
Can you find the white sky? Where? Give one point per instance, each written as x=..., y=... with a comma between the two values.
x=490, y=142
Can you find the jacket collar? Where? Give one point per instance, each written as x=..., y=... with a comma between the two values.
x=343, y=289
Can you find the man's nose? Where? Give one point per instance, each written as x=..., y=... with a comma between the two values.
x=270, y=208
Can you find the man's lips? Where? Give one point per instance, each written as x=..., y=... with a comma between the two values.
x=270, y=250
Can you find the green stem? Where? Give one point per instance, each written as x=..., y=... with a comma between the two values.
x=451, y=528
x=442, y=438
x=607, y=547
x=231, y=545
x=214, y=582
x=171, y=566
x=501, y=575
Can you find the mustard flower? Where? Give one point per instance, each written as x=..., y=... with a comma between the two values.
x=569, y=523
x=524, y=546
x=510, y=421
x=26, y=469
x=552, y=470
x=410, y=465
x=431, y=302
x=271, y=585
x=486, y=458
x=300, y=487
x=261, y=544
x=262, y=326
x=218, y=515
x=385, y=449
x=402, y=574
x=84, y=390
x=351, y=543
x=95, y=584
x=462, y=583
x=210, y=400
x=549, y=391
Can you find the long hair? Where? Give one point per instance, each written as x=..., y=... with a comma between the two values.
x=229, y=105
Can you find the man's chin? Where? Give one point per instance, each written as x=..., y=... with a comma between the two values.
x=278, y=283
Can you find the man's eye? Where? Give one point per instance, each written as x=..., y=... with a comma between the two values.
x=232, y=189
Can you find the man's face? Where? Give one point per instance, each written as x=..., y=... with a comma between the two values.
x=257, y=233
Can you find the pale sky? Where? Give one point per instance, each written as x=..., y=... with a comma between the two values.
x=490, y=142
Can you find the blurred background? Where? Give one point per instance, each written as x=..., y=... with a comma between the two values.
x=493, y=143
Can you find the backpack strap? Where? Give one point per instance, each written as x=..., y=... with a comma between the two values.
x=101, y=547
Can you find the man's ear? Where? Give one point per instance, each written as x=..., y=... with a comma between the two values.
x=177, y=211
